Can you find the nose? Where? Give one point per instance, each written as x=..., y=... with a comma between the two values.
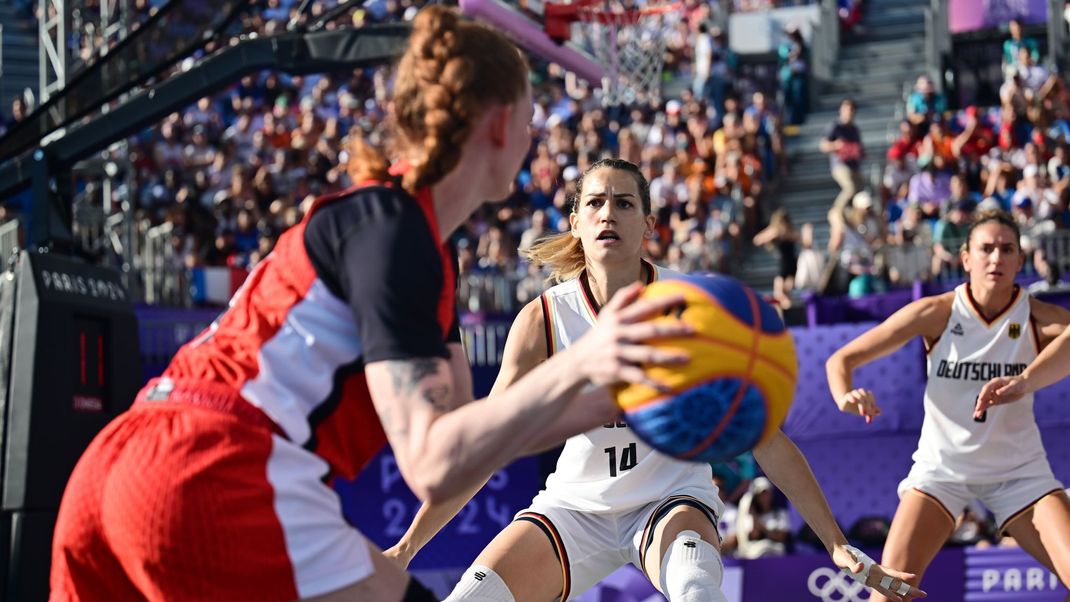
x=605, y=213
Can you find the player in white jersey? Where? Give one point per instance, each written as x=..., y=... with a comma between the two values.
x=613, y=500
x=988, y=327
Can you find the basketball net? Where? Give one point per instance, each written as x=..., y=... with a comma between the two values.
x=628, y=41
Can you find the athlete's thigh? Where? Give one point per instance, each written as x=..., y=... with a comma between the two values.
x=1045, y=533
x=679, y=518
x=919, y=529
x=525, y=558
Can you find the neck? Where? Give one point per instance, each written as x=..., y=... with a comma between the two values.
x=991, y=300
x=606, y=280
x=455, y=198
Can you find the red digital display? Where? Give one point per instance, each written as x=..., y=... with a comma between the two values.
x=90, y=391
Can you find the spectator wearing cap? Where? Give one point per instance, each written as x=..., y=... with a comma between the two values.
x=924, y=104
x=843, y=144
x=1013, y=46
x=856, y=237
x=762, y=527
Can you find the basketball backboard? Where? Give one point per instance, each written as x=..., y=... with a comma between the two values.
x=523, y=21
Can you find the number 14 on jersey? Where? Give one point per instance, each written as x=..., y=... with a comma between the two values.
x=627, y=459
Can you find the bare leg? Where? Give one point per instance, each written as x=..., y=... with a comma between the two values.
x=1044, y=532
x=524, y=558
x=680, y=518
x=919, y=529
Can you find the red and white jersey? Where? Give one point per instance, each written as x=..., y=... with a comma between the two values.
x=971, y=351
x=362, y=278
x=607, y=468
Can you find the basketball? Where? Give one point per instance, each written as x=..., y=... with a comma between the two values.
x=738, y=386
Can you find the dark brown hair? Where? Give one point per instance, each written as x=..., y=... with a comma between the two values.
x=998, y=216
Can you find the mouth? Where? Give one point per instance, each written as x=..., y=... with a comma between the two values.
x=608, y=236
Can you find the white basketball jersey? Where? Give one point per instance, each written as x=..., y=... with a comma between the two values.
x=970, y=352
x=607, y=468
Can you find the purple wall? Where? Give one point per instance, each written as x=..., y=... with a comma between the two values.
x=833, y=442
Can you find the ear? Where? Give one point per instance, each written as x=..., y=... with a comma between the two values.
x=497, y=124
x=964, y=258
x=572, y=219
x=650, y=222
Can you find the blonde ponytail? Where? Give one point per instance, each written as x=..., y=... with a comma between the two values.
x=562, y=253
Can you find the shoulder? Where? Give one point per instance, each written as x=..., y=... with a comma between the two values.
x=930, y=314
x=527, y=335
x=377, y=217
x=936, y=303
x=1047, y=314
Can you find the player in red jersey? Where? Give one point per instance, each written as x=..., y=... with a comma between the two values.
x=215, y=485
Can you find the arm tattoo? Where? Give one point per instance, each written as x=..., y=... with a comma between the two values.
x=407, y=375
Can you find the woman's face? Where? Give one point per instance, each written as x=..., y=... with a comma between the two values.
x=608, y=217
x=993, y=257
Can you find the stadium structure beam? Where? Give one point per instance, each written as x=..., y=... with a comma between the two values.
x=294, y=53
x=174, y=32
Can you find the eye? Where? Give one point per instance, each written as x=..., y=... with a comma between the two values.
x=624, y=204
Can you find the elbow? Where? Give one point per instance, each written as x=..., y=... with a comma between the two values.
x=430, y=489
x=834, y=364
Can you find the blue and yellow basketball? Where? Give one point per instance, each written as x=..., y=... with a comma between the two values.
x=738, y=386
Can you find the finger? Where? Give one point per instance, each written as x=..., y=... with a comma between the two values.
x=624, y=297
x=645, y=308
x=638, y=376
x=643, y=331
x=644, y=354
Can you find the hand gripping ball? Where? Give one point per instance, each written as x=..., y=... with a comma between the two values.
x=738, y=386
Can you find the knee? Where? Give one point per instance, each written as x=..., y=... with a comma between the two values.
x=481, y=584
x=692, y=570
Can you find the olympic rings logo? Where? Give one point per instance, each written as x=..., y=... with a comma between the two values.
x=835, y=586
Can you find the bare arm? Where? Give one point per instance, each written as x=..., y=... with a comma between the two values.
x=442, y=453
x=788, y=469
x=766, y=236
x=925, y=317
x=525, y=348
x=1049, y=367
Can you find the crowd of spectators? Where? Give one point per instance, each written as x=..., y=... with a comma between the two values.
x=943, y=167
x=234, y=170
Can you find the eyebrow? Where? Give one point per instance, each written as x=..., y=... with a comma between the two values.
x=603, y=194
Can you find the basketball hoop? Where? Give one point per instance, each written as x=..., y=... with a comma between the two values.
x=625, y=37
